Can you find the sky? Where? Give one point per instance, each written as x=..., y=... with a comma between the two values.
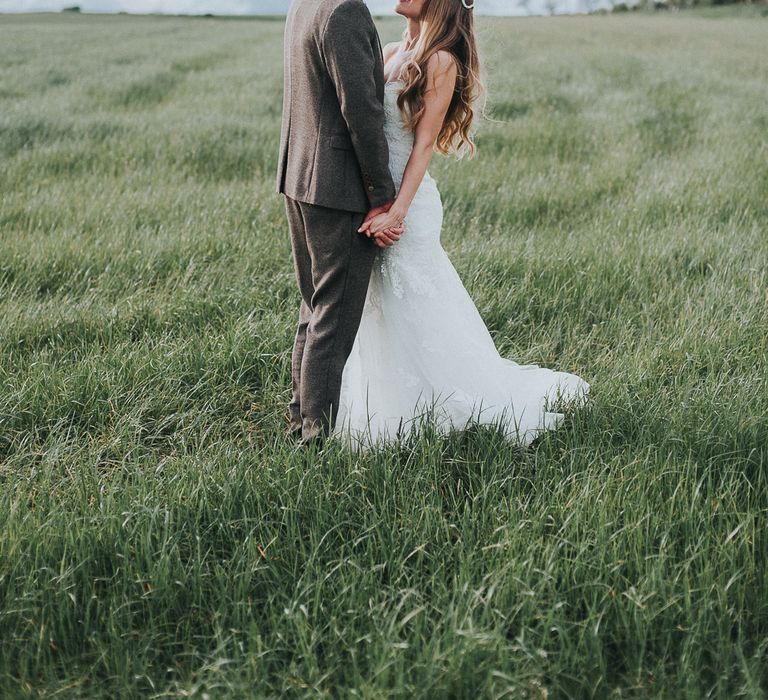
x=250, y=7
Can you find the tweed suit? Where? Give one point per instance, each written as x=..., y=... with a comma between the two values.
x=333, y=168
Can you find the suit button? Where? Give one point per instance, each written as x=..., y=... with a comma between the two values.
x=371, y=188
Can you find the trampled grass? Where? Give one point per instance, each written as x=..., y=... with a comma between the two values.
x=160, y=539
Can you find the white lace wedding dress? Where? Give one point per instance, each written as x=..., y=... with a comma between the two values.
x=422, y=347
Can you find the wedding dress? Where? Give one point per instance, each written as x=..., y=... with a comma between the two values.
x=422, y=348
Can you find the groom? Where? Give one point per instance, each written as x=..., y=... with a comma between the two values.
x=333, y=169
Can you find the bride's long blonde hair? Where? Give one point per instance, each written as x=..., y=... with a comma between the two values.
x=446, y=25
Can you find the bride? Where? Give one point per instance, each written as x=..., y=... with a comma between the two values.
x=422, y=349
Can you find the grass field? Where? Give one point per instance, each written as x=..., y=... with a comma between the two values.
x=160, y=539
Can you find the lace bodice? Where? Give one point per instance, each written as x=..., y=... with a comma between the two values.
x=424, y=218
x=399, y=137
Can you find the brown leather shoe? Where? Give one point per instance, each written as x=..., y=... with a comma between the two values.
x=293, y=433
x=316, y=438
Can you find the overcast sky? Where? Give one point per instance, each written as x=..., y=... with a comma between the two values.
x=250, y=7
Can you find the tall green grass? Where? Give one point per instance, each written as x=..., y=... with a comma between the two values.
x=161, y=539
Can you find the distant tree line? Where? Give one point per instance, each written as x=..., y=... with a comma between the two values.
x=600, y=7
x=621, y=6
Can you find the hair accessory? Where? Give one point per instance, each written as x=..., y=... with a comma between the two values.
x=468, y=6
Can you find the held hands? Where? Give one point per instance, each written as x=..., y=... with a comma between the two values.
x=384, y=224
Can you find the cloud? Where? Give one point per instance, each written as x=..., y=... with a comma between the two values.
x=193, y=7
x=248, y=7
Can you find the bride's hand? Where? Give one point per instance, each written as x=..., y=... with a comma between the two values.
x=391, y=219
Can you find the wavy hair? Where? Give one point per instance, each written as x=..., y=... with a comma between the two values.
x=446, y=25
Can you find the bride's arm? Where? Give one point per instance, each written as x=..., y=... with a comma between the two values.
x=441, y=73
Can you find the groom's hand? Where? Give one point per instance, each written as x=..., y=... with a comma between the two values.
x=385, y=239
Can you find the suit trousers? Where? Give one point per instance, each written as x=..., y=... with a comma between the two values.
x=333, y=265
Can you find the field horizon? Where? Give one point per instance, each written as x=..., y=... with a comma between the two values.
x=160, y=538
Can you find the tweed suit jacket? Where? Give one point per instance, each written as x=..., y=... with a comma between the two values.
x=333, y=151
